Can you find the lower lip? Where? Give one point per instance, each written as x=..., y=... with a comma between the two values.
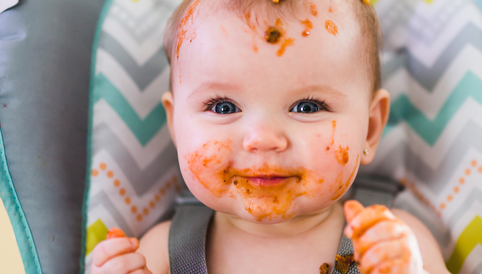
x=267, y=181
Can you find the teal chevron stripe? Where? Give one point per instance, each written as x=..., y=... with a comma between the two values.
x=403, y=109
x=144, y=130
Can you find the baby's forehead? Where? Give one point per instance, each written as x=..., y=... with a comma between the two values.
x=209, y=32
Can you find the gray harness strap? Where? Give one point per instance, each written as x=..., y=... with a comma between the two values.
x=346, y=248
x=187, y=239
x=187, y=236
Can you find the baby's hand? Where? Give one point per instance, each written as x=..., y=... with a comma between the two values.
x=382, y=242
x=117, y=255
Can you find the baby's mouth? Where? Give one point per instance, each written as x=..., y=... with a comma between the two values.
x=267, y=179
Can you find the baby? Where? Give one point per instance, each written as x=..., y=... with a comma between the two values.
x=273, y=108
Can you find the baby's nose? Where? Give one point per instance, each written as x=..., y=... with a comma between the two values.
x=265, y=139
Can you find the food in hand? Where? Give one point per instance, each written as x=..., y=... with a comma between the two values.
x=115, y=233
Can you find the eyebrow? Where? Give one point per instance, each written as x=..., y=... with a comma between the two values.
x=327, y=90
x=212, y=86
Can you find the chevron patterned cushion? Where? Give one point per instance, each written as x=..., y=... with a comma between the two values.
x=134, y=172
x=433, y=69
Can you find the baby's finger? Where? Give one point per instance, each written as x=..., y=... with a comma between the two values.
x=108, y=249
x=383, y=252
x=126, y=263
x=352, y=208
x=366, y=219
x=382, y=231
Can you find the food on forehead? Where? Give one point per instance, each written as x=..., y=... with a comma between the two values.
x=308, y=26
x=273, y=35
x=184, y=27
x=186, y=32
x=331, y=27
x=324, y=268
x=115, y=233
x=313, y=9
x=366, y=2
x=343, y=262
x=286, y=43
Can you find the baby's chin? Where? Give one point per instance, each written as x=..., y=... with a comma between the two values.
x=264, y=211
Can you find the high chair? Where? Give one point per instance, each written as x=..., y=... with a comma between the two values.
x=84, y=146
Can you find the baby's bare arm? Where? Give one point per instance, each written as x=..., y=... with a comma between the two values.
x=431, y=255
x=154, y=247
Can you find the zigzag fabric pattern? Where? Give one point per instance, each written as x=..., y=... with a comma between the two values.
x=433, y=144
x=134, y=172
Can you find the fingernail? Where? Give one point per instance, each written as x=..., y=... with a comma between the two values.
x=134, y=242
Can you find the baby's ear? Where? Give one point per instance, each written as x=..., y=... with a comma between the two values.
x=378, y=117
x=168, y=103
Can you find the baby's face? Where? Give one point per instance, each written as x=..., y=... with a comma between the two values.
x=269, y=136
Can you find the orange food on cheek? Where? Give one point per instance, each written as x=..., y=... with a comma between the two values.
x=210, y=167
x=333, y=123
x=342, y=155
x=339, y=188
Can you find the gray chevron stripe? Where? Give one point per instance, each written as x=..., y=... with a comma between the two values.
x=478, y=269
x=474, y=196
x=391, y=20
x=428, y=38
x=143, y=75
x=141, y=28
x=394, y=65
x=141, y=180
x=429, y=77
x=468, y=138
x=102, y=199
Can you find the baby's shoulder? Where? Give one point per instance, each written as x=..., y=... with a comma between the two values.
x=429, y=249
x=154, y=247
x=413, y=222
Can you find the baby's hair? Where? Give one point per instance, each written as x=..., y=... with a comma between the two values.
x=365, y=15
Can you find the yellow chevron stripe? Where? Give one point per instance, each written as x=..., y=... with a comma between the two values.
x=96, y=233
x=470, y=237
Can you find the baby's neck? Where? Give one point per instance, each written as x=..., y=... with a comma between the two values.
x=294, y=227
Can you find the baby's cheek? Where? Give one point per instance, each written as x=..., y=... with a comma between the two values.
x=336, y=159
x=209, y=164
x=341, y=184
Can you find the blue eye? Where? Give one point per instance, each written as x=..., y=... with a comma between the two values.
x=225, y=108
x=306, y=107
